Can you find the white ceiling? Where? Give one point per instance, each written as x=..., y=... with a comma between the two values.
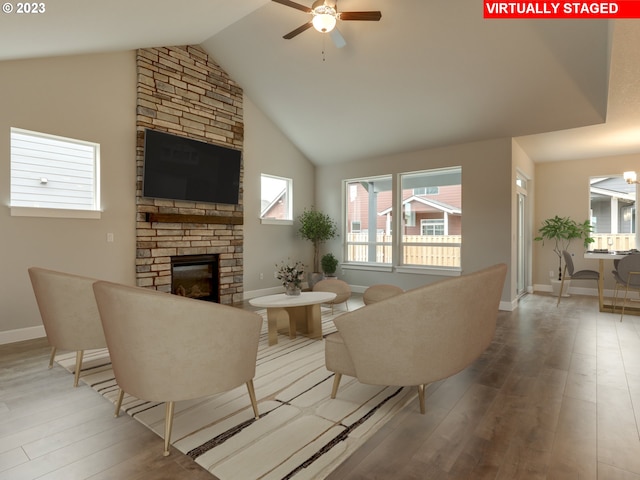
x=430, y=73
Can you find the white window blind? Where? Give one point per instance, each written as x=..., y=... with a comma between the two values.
x=54, y=172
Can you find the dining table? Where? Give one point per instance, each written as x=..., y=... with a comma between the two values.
x=601, y=256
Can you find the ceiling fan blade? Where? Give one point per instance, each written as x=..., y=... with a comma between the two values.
x=297, y=31
x=291, y=4
x=371, y=16
x=338, y=39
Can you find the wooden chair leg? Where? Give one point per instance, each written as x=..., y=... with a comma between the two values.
x=336, y=384
x=52, y=356
x=76, y=377
x=119, y=403
x=252, y=396
x=168, y=425
x=421, y=399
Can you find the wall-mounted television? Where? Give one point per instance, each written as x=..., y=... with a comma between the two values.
x=180, y=168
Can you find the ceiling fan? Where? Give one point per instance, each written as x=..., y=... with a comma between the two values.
x=324, y=18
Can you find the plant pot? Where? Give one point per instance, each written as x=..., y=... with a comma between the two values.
x=314, y=278
x=555, y=287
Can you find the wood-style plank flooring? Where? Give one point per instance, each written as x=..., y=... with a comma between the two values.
x=554, y=397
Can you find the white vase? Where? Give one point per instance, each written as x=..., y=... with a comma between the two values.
x=555, y=287
x=292, y=290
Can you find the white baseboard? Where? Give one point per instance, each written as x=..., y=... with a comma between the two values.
x=21, y=334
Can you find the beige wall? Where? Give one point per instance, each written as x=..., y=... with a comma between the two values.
x=562, y=188
x=84, y=97
x=486, y=205
x=267, y=150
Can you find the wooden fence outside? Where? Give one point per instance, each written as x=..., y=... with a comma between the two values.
x=418, y=249
x=620, y=241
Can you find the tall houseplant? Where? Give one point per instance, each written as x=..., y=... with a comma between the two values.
x=316, y=227
x=562, y=231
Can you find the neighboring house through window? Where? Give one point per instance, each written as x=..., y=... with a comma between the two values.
x=54, y=176
x=428, y=216
x=276, y=199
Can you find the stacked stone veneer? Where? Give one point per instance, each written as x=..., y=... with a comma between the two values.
x=181, y=90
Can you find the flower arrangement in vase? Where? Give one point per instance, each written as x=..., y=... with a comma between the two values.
x=291, y=277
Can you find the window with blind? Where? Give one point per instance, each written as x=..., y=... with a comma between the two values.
x=54, y=176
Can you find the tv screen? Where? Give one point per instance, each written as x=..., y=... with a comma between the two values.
x=179, y=168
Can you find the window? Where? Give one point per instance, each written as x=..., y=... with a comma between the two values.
x=53, y=173
x=612, y=213
x=369, y=231
x=276, y=199
x=431, y=227
x=426, y=191
x=434, y=235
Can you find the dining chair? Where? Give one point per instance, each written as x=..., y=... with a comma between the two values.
x=627, y=276
x=571, y=274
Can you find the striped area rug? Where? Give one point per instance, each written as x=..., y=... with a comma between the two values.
x=301, y=433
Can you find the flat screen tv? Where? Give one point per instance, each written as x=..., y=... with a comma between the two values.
x=180, y=168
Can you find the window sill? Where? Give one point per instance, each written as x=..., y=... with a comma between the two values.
x=275, y=221
x=438, y=271
x=54, y=213
x=375, y=267
x=415, y=270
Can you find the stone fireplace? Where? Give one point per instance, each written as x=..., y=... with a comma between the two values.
x=181, y=90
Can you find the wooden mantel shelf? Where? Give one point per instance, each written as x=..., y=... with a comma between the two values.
x=180, y=218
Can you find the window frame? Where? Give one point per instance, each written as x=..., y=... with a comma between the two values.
x=395, y=224
x=93, y=212
x=289, y=200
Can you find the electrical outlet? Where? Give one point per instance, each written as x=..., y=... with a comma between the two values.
x=551, y=274
x=262, y=276
x=109, y=237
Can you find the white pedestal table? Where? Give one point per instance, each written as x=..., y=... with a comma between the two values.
x=300, y=312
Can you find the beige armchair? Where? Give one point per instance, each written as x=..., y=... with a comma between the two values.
x=167, y=348
x=420, y=336
x=69, y=313
x=339, y=287
x=380, y=291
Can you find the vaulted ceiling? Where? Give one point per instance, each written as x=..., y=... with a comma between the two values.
x=430, y=73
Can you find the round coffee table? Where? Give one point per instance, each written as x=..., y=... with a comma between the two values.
x=302, y=312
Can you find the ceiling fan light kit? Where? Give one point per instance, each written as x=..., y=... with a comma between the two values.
x=324, y=17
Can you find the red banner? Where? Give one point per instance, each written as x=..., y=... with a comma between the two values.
x=562, y=9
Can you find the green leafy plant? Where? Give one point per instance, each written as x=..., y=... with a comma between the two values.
x=329, y=263
x=316, y=227
x=562, y=231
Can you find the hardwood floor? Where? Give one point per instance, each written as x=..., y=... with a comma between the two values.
x=554, y=397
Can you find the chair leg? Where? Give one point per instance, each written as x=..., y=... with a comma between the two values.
x=168, y=425
x=119, y=403
x=561, y=287
x=252, y=396
x=336, y=384
x=76, y=377
x=624, y=302
x=52, y=356
x=421, y=399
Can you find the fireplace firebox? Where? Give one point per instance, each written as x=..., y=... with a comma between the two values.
x=195, y=276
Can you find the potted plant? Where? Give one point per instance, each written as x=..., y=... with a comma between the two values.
x=316, y=227
x=562, y=231
x=329, y=264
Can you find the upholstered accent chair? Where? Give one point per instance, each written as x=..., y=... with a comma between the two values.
x=420, y=336
x=334, y=285
x=168, y=348
x=69, y=313
x=380, y=291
